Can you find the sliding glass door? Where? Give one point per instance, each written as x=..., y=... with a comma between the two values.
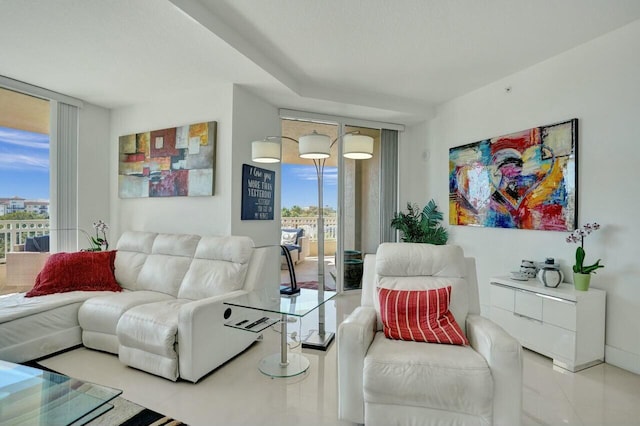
x=352, y=202
x=359, y=224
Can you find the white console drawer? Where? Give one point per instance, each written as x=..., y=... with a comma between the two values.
x=545, y=320
x=502, y=297
x=548, y=339
x=563, y=343
x=560, y=313
x=528, y=305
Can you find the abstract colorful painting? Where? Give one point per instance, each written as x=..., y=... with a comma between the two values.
x=175, y=162
x=525, y=180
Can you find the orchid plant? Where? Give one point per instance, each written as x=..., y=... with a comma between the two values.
x=100, y=239
x=578, y=236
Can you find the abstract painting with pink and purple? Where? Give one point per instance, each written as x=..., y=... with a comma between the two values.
x=524, y=180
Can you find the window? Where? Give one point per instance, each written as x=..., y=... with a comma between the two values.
x=24, y=168
x=63, y=131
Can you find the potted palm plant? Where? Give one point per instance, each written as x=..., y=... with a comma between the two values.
x=421, y=225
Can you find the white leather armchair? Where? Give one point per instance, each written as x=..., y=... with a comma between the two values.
x=394, y=382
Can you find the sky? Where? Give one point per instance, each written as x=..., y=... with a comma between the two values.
x=24, y=164
x=300, y=186
x=24, y=171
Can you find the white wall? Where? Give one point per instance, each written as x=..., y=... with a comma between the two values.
x=413, y=158
x=93, y=170
x=242, y=118
x=599, y=84
x=195, y=215
x=253, y=119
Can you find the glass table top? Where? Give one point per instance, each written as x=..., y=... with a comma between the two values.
x=297, y=305
x=32, y=396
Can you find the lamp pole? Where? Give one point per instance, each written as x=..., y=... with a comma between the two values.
x=320, y=340
x=320, y=171
x=318, y=148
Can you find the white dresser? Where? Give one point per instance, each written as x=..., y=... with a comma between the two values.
x=561, y=323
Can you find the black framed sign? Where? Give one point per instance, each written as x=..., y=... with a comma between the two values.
x=257, y=193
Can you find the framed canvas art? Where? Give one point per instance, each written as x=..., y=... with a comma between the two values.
x=257, y=193
x=524, y=180
x=174, y=162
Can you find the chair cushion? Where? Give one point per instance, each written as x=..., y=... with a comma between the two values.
x=133, y=249
x=290, y=247
x=219, y=266
x=80, y=271
x=441, y=377
x=101, y=314
x=420, y=316
x=289, y=238
x=299, y=234
x=413, y=259
x=152, y=327
x=166, y=266
x=37, y=244
x=412, y=266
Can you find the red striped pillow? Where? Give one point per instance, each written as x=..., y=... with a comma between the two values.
x=420, y=316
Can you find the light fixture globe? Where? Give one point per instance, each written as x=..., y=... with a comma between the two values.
x=265, y=151
x=314, y=146
x=357, y=147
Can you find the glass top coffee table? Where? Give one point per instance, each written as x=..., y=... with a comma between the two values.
x=283, y=364
x=30, y=396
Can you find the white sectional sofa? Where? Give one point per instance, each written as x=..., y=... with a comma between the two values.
x=169, y=318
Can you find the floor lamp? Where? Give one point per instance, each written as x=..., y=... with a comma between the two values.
x=316, y=147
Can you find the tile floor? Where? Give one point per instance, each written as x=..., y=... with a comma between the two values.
x=307, y=270
x=238, y=394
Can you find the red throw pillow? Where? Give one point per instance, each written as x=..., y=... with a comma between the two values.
x=420, y=316
x=81, y=271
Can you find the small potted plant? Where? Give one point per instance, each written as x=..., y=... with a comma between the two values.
x=99, y=242
x=421, y=225
x=581, y=272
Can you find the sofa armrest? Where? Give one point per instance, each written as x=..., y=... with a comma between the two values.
x=303, y=242
x=503, y=354
x=204, y=342
x=355, y=335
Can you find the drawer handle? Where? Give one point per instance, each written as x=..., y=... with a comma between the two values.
x=528, y=318
x=546, y=296
x=557, y=299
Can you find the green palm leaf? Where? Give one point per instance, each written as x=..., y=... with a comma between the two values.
x=421, y=226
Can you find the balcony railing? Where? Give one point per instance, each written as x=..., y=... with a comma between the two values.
x=15, y=232
x=310, y=226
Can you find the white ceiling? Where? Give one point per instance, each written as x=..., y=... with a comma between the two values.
x=375, y=59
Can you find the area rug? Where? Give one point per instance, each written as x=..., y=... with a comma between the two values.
x=124, y=412
x=127, y=413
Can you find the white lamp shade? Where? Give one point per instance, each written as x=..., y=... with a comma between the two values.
x=357, y=147
x=314, y=146
x=265, y=152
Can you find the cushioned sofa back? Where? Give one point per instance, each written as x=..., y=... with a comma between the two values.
x=165, y=267
x=219, y=266
x=133, y=248
x=407, y=266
